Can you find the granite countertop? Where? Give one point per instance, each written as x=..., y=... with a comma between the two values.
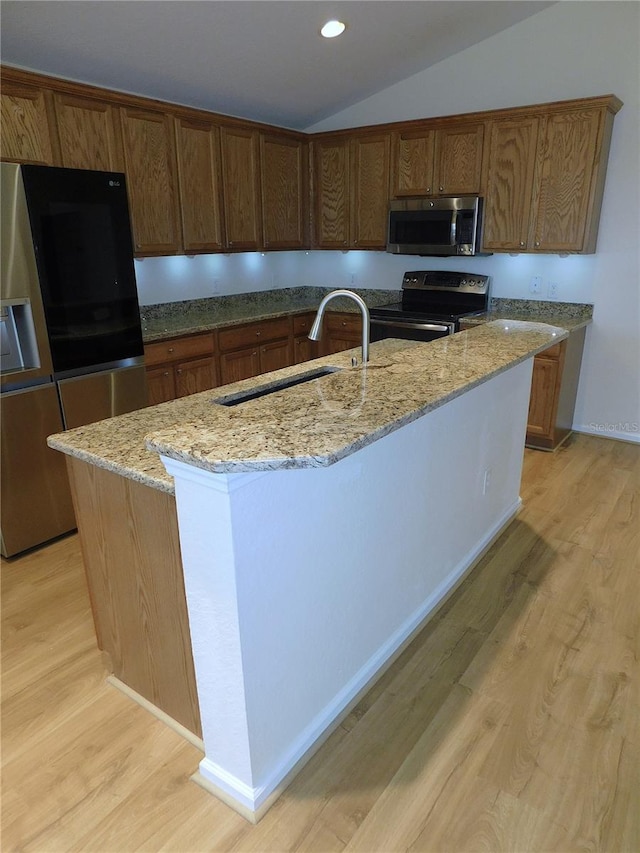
x=204, y=315
x=569, y=315
x=312, y=424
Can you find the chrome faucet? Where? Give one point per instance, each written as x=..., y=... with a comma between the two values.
x=316, y=330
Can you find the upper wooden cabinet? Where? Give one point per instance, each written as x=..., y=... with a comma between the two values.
x=332, y=193
x=370, y=157
x=241, y=187
x=150, y=167
x=28, y=130
x=283, y=169
x=89, y=134
x=512, y=153
x=352, y=191
x=545, y=178
x=438, y=161
x=200, y=182
x=568, y=161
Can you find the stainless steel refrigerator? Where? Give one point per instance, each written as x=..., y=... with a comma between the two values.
x=71, y=349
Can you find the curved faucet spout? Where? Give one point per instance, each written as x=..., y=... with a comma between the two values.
x=316, y=330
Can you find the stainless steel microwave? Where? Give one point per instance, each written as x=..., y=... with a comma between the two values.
x=438, y=227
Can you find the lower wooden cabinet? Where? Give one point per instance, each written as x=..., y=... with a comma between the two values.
x=554, y=387
x=254, y=348
x=180, y=366
x=342, y=331
x=303, y=348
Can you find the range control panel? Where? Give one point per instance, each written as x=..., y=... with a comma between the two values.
x=458, y=282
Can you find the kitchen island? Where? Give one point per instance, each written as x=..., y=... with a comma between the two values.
x=319, y=527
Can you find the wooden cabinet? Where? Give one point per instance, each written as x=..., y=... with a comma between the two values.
x=241, y=187
x=352, y=191
x=180, y=366
x=438, y=161
x=150, y=167
x=342, y=331
x=332, y=193
x=370, y=158
x=545, y=178
x=200, y=183
x=568, y=159
x=254, y=348
x=28, y=129
x=512, y=151
x=283, y=170
x=89, y=134
x=303, y=348
x=554, y=388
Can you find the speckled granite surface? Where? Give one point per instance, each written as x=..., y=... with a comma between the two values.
x=569, y=315
x=203, y=315
x=312, y=424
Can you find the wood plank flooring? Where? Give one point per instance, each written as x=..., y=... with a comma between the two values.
x=511, y=723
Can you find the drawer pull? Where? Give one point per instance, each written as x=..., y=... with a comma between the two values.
x=170, y=349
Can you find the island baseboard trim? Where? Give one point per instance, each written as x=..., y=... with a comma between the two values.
x=253, y=803
x=177, y=727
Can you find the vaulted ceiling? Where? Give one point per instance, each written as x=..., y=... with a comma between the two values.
x=260, y=60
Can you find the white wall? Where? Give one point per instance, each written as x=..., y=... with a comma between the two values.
x=570, y=50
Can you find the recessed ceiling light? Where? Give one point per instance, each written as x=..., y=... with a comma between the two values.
x=332, y=29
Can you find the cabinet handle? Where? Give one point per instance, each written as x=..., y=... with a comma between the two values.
x=344, y=242
x=254, y=353
x=537, y=243
x=179, y=371
x=522, y=243
x=344, y=322
x=428, y=189
x=441, y=189
x=166, y=373
x=170, y=349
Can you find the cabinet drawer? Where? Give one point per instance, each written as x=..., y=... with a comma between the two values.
x=302, y=323
x=337, y=322
x=245, y=336
x=178, y=349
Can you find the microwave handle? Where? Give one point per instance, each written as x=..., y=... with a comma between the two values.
x=454, y=221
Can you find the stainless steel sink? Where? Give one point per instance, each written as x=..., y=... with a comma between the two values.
x=272, y=387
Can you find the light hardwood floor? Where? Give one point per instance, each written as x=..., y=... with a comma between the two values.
x=511, y=723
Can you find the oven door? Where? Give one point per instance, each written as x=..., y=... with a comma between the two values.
x=410, y=330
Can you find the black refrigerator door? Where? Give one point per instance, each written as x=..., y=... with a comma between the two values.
x=82, y=238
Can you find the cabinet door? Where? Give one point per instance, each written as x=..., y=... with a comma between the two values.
x=413, y=163
x=241, y=364
x=566, y=169
x=274, y=355
x=332, y=193
x=370, y=191
x=199, y=179
x=458, y=160
x=509, y=183
x=544, y=392
x=241, y=187
x=89, y=134
x=28, y=132
x=160, y=384
x=151, y=181
x=284, y=188
x=194, y=376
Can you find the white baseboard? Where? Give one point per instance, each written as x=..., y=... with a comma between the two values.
x=610, y=431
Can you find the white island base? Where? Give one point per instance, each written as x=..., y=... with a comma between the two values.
x=303, y=585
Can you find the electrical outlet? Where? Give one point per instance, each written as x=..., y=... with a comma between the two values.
x=553, y=290
x=486, y=482
x=215, y=285
x=353, y=278
x=535, y=285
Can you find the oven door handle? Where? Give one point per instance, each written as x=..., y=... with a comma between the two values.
x=427, y=327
